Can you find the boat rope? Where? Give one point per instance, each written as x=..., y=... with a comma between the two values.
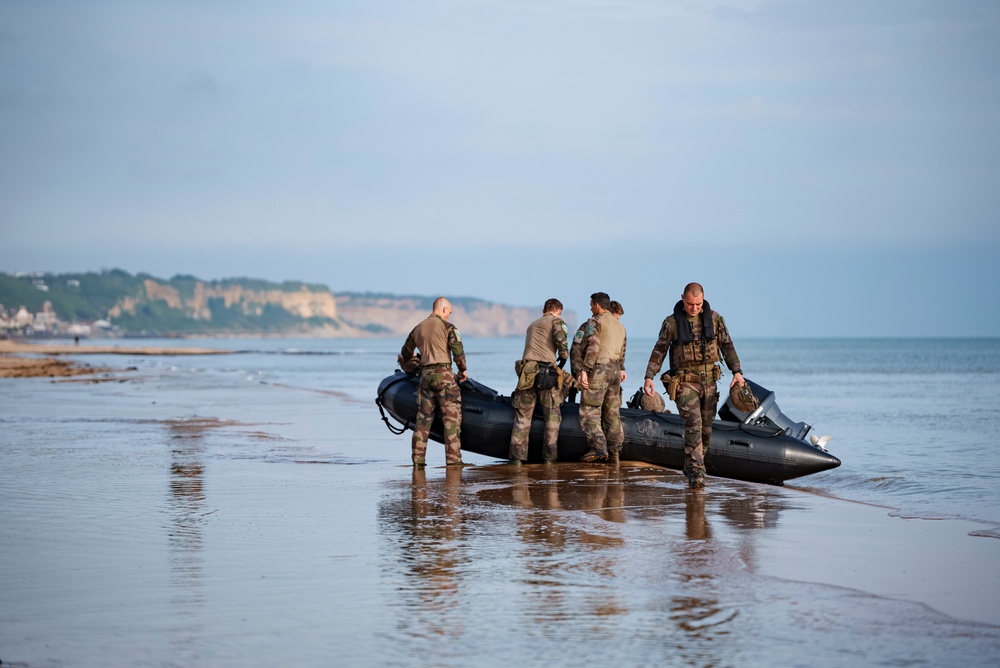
x=378, y=402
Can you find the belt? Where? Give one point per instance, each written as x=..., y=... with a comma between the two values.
x=689, y=376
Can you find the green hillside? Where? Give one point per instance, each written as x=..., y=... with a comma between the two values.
x=87, y=297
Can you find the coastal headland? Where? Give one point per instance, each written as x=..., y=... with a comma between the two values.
x=111, y=304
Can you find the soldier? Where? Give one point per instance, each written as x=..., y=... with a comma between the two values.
x=438, y=342
x=544, y=342
x=695, y=337
x=617, y=310
x=601, y=375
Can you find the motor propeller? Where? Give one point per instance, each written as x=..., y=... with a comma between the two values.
x=820, y=441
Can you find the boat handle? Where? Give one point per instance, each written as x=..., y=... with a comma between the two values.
x=675, y=434
x=747, y=444
x=474, y=409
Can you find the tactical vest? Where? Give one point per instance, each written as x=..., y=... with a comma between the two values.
x=698, y=355
x=431, y=337
x=612, y=339
x=538, y=342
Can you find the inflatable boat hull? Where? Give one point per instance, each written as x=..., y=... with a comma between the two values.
x=759, y=450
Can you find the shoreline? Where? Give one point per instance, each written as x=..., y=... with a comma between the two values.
x=15, y=364
x=10, y=347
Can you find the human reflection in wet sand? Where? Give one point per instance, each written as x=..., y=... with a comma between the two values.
x=560, y=552
x=187, y=517
x=701, y=619
x=431, y=548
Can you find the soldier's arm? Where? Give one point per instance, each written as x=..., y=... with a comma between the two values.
x=408, y=348
x=559, y=338
x=624, y=346
x=726, y=346
x=592, y=343
x=456, y=348
x=660, y=349
x=576, y=353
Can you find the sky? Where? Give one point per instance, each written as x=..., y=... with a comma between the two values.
x=822, y=168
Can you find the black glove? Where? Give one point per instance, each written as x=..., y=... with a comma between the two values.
x=561, y=363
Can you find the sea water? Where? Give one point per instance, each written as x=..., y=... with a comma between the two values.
x=222, y=510
x=916, y=422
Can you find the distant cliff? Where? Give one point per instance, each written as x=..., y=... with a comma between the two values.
x=396, y=315
x=187, y=306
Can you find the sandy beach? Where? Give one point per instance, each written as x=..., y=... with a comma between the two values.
x=173, y=520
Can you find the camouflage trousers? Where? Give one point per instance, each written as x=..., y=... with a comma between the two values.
x=438, y=391
x=696, y=405
x=600, y=409
x=524, y=409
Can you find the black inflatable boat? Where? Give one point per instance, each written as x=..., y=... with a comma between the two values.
x=761, y=446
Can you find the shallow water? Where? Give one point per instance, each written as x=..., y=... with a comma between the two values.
x=227, y=510
x=914, y=421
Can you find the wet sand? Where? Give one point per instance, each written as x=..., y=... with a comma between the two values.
x=171, y=520
x=15, y=364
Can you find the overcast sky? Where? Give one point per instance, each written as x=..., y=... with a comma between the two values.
x=823, y=168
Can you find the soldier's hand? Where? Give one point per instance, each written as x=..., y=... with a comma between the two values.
x=738, y=378
x=584, y=383
x=647, y=386
x=623, y=375
x=462, y=376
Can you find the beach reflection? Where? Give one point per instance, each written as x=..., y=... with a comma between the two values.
x=185, y=529
x=695, y=608
x=575, y=552
x=432, y=554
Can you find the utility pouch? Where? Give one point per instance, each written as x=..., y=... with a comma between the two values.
x=547, y=378
x=716, y=373
x=671, y=383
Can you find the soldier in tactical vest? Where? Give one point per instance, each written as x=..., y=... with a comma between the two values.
x=696, y=338
x=544, y=346
x=601, y=374
x=438, y=342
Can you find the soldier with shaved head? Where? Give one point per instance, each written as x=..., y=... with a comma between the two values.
x=438, y=342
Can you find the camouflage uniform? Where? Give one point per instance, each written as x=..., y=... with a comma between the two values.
x=603, y=359
x=438, y=341
x=544, y=342
x=694, y=364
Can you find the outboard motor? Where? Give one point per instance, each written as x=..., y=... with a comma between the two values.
x=767, y=414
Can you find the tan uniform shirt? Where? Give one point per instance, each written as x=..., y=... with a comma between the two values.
x=437, y=340
x=545, y=340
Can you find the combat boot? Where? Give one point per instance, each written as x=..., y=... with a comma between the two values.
x=613, y=457
x=594, y=456
x=419, y=462
x=697, y=480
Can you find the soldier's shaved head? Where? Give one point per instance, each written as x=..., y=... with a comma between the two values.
x=693, y=289
x=442, y=307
